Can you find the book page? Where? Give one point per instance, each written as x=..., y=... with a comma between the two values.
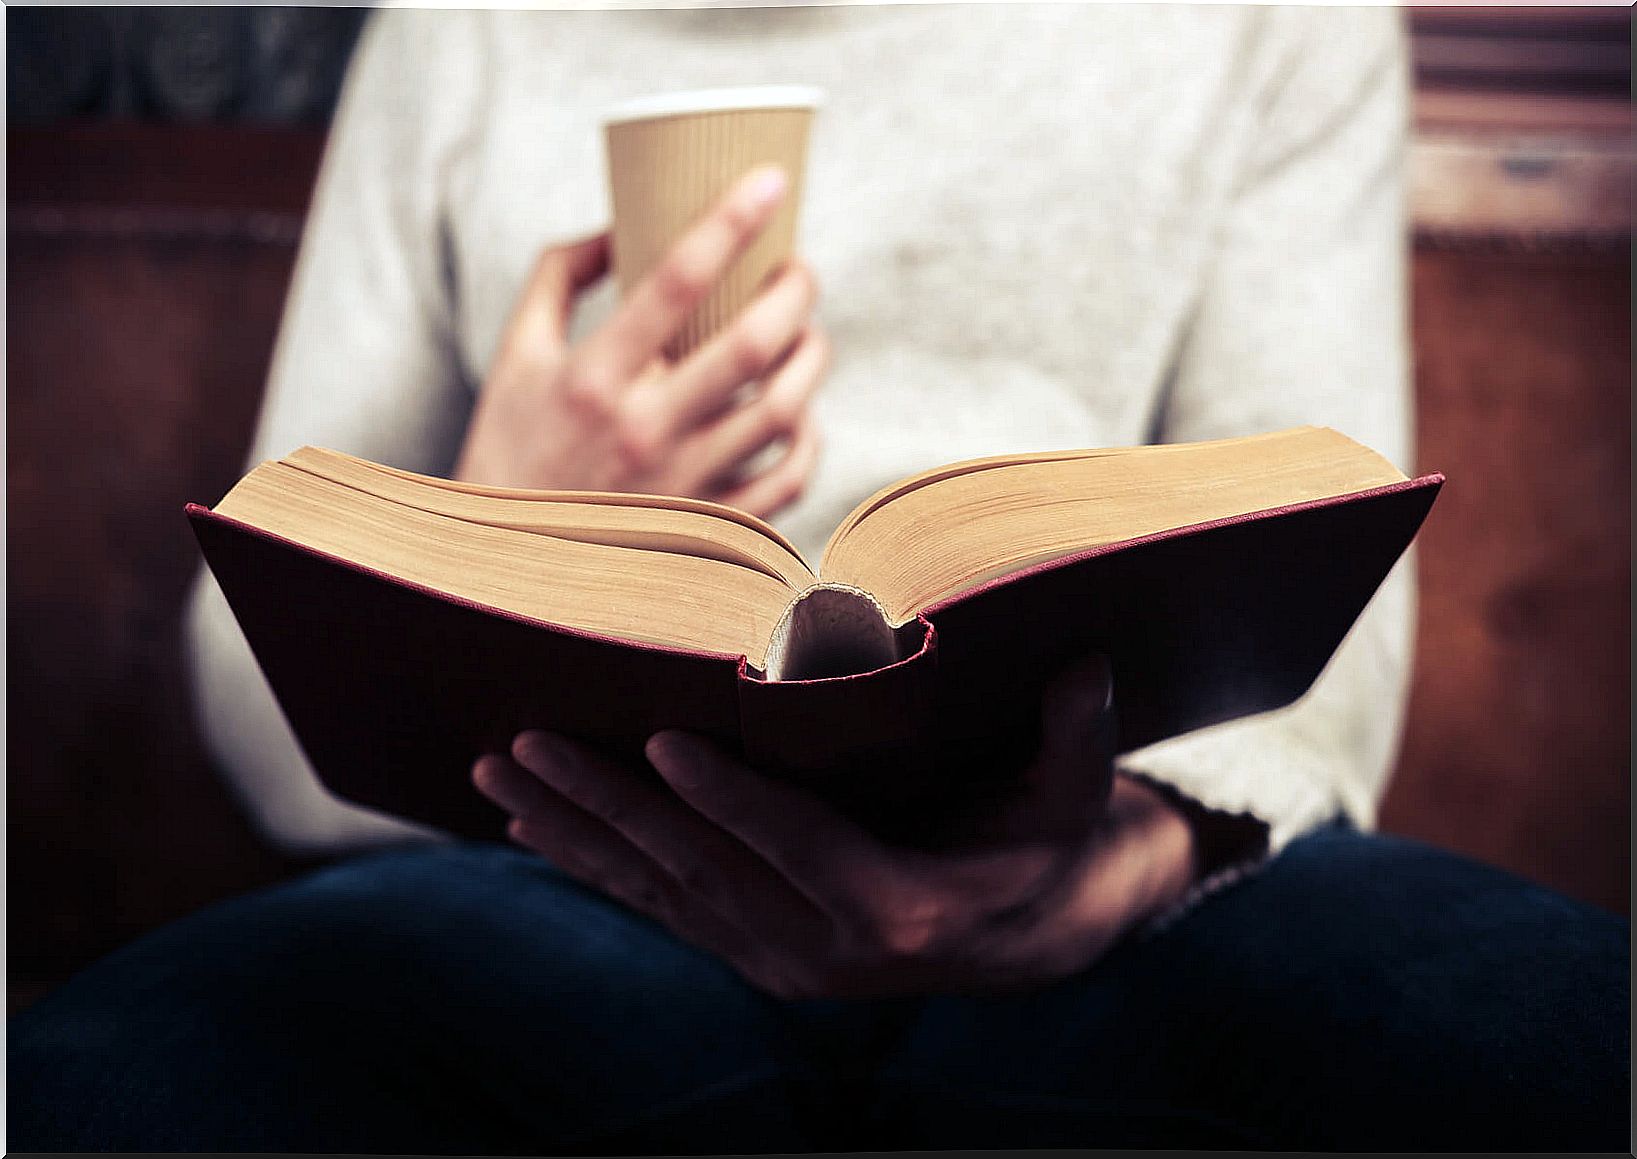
x=649, y=522
x=657, y=597
x=930, y=537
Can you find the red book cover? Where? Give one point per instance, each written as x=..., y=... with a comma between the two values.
x=393, y=689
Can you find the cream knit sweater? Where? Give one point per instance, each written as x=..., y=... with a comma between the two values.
x=1036, y=226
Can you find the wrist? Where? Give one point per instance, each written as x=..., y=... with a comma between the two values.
x=1217, y=840
x=1171, y=852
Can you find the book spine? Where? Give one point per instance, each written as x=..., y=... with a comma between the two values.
x=836, y=630
x=859, y=741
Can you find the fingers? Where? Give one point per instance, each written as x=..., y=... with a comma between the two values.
x=668, y=409
x=501, y=780
x=590, y=852
x=659, y=304
x=816, y=850
x=709, y=865
x=757, y=341
x=783, y=483
x=587, y=849
x=775, y=414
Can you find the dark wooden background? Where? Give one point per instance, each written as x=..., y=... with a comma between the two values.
x=151, y=229
x=1517, y=747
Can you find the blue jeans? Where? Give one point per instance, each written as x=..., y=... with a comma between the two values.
x=1361, y=993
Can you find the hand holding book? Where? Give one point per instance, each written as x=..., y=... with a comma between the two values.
x=806, y=904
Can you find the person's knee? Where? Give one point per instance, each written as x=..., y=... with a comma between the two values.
x=1436, y=1000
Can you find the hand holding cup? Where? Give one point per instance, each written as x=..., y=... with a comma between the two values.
x=615, y=413
x=671, y=156
x=712, y=302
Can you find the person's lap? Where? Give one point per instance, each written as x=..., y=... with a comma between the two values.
x=1363, y=992
x=1359, y=992
x=463, y=998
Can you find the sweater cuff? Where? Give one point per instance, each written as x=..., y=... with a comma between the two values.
x=1230, y=847
x=1245, y=769
x=1243, y=795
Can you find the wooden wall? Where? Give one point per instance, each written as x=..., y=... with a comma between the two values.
x=146, y=270
x=1517, y=746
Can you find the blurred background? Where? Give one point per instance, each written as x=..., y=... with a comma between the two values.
x=159, y=164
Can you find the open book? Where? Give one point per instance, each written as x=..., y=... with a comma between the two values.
x=408, y=623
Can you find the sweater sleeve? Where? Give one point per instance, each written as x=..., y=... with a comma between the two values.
x=1302, y=320
x=365, y=362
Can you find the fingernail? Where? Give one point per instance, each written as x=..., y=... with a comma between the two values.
x=766, y=186
x=1086, y=683
x=1106, y=675
x=668, y=753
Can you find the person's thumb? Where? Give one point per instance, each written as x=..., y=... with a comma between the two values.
x=561, y=274
x=1074, y=768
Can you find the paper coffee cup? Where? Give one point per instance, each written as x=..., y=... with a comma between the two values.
x=671, y=157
